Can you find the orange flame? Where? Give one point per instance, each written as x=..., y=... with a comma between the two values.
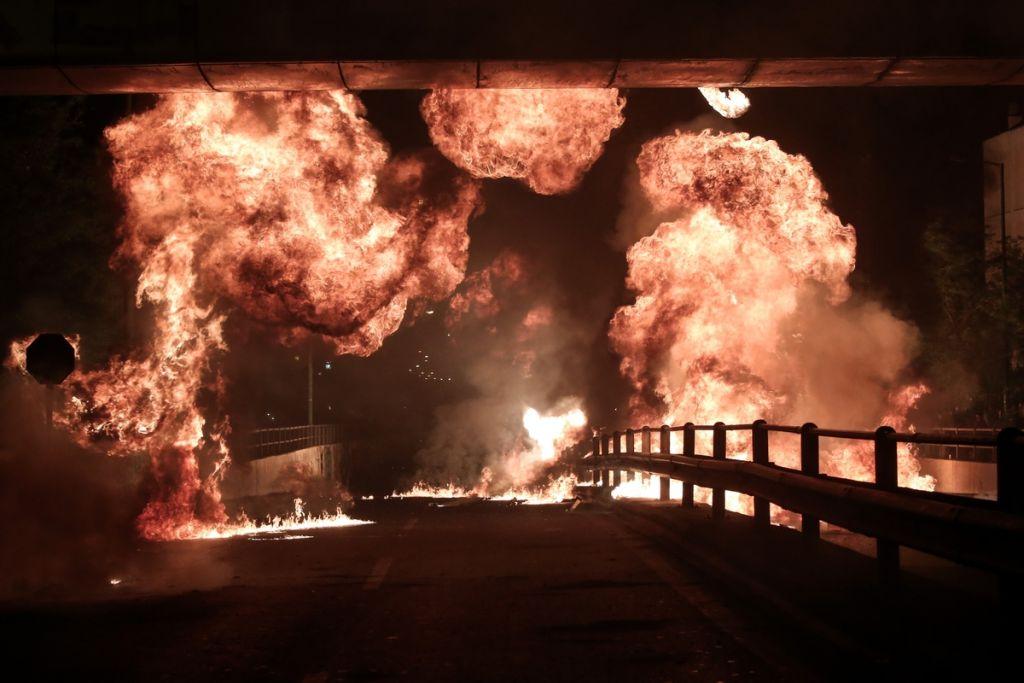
x=478, y=293
x=547, y=138
x=731, y=104
x=520, y=474
x=284, y=206
x=740, y=309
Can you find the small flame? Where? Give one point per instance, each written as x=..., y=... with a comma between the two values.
x=298, y=521
x=548, y=431
x=731, y=104
x=521, y=477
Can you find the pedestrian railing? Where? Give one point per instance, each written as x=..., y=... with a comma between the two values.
x=264, y=443
x=983, y=533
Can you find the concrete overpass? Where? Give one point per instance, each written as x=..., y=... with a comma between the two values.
x=64, y=47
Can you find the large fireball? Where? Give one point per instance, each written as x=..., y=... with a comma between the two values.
x=285, y=207
x=547, y=138
x=742, y=307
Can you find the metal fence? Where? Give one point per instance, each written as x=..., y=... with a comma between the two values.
x=264, y=443
x=982, y=533
x=957, y=451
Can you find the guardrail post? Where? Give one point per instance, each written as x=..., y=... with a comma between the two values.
x=689, y=449
x=887, y=479
x=617, y=450
x=1010, y=470
x=630, y=450
x=759, y=454
x=810, y=527
x=665, y=448
x=718, y=453
x=645, y=447
x=605, y=477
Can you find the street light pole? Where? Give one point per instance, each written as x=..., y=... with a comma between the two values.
x=309, y=368
x=1005, y=269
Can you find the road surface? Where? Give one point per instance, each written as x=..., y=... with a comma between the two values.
x=479, y=591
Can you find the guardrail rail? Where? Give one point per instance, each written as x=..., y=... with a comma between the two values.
x=264, y=443
x=982, y=533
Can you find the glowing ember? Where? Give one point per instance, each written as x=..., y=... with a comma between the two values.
x=731, y=104
x=741, y=308
x=546, y=138
x=283, y=206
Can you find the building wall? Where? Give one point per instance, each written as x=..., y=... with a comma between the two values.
x=1006, y=149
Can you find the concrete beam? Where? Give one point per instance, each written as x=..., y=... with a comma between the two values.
x=256, y=76
x=427, y=74
x=110, y=46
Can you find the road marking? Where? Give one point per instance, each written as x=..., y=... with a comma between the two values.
x=377, y=574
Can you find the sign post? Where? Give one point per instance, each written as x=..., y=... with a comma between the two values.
x=50, y=358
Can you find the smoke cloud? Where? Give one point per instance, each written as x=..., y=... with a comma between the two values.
x=66, y=514
x=521, y=345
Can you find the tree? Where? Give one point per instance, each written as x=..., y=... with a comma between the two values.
x=976, y=339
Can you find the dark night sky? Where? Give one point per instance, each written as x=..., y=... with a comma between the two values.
x=892, y=160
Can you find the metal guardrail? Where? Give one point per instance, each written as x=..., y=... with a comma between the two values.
x=965, y=453
x=279, y=440
x=981, y=533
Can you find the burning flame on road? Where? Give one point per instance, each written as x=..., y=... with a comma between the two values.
x=547, y=138
x=742, y=307
x=299, y=520
x=522, y=473
x=731, y=104
x=285, y=207
x=556, y=490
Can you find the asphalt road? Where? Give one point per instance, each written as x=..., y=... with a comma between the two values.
x=470, y=592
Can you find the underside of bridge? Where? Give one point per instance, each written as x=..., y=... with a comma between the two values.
x=119, y=46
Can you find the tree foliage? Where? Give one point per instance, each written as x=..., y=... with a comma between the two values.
x=977, y=337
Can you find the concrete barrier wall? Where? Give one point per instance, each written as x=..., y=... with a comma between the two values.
x=961, y=476
x=274, y=474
